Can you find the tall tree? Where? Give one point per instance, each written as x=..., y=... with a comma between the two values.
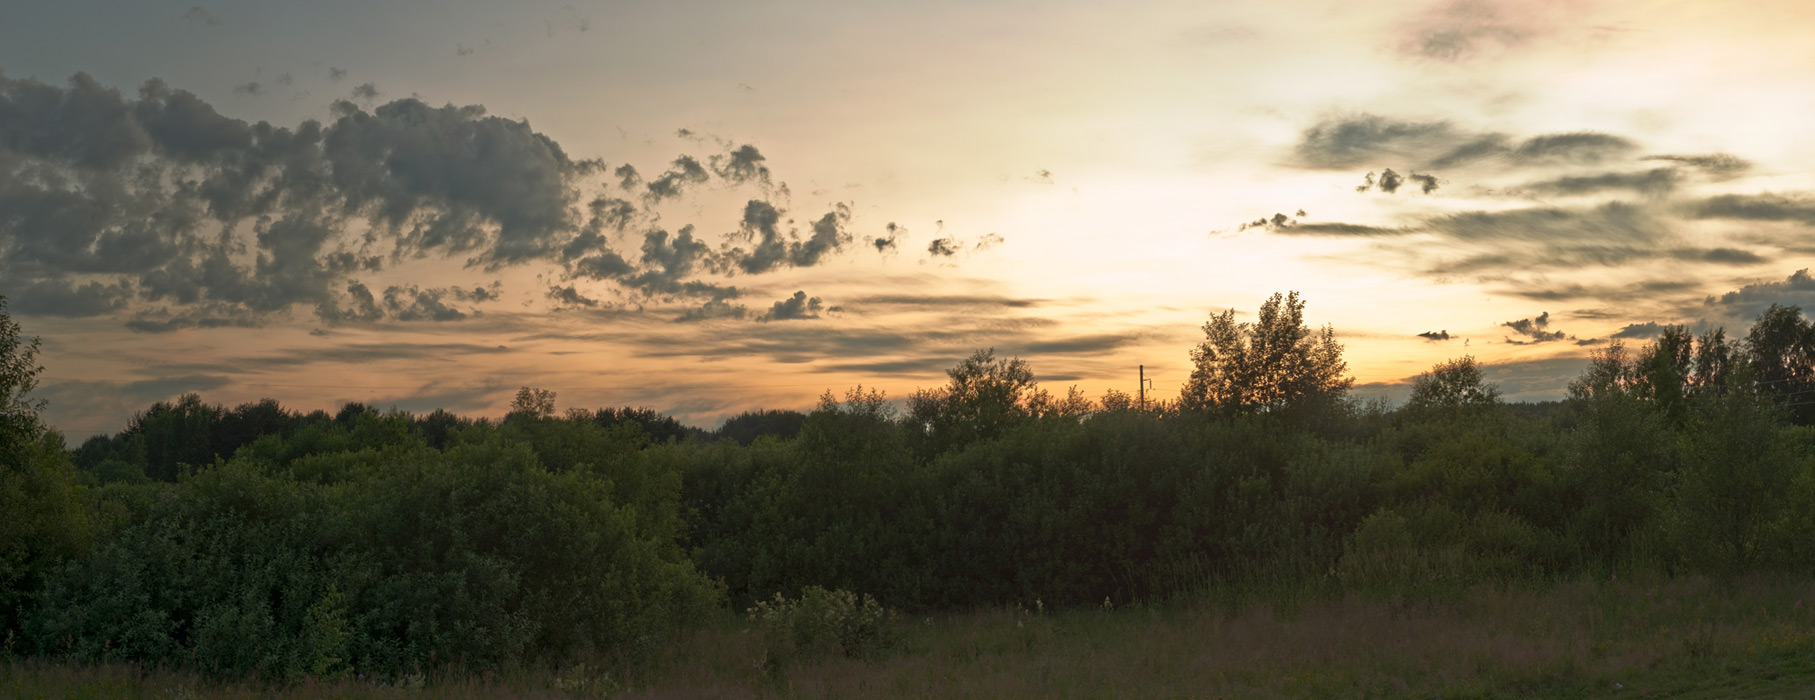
x=1274, y=363
x=1451, y=385
x=42, y=522
x=986, y=394
x=1781, y=348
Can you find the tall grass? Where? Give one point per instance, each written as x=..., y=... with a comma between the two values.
x=1633, y=636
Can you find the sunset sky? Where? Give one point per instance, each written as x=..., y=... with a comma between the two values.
x=709, y=207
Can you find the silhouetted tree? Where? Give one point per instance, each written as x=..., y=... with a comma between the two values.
x=986, y=394
x=1452, y=385
x=1272, y=364
x=535, y=403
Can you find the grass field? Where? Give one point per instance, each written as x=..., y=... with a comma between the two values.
x=1683, y=638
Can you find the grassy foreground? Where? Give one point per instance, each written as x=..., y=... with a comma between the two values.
x=1683, y=638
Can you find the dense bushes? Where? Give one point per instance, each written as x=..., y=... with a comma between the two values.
x=258, y=541
x=390, y=563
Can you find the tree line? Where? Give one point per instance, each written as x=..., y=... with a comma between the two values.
x=261, y=541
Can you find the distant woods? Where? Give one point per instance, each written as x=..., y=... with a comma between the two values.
x=260, y=541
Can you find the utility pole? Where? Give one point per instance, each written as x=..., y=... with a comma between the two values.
x=1143, y=387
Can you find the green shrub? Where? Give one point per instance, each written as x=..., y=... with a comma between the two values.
x=822, y=623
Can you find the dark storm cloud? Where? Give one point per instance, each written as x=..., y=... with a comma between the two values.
x=797, y=307
x=1534, y=330
x=59, y=298
x=1462, y=29
x=1435, y=336
x=1654, y=182
x=163, y=211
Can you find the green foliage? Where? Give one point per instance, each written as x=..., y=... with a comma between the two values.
x=42, y=522
x=1452, y=386
x=478, y=557
x=257, y=541
x=821, y=623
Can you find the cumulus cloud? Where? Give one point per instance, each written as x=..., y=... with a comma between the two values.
x=744, y=164
x=714, y=309
x=570, y=296
x=892, y=242
x=1534, y=330
x=163, y=212
x=684, y=171
x=942, y=247
x=795, y=308
x=1747, y=302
